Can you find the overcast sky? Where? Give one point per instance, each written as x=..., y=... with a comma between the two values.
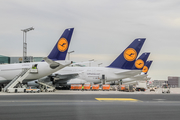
x=103, y=29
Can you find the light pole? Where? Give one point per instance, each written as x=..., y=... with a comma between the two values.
x=90, y=62
x=25, y=42
x=99, y=64
x=69, y=54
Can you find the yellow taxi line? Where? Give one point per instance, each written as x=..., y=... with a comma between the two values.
x=116, y=99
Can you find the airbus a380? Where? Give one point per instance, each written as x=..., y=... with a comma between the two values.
x=120, y=68
x=9, y=71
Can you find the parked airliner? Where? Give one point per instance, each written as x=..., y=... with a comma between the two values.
x=120, y=68
x=49, y=66
x=141, y=77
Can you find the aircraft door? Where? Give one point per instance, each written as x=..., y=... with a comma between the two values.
x=34, y=69
x=103, y=80
x=34, y=66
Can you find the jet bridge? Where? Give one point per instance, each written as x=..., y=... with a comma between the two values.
x=17, y=81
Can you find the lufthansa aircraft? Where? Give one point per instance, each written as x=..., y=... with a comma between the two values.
x=120, y=68
x=139, y=64
x=141, y=77
x=49, y=66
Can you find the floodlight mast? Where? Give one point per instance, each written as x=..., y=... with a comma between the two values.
x=25, y=42
x=69, y=54
x=90, y=62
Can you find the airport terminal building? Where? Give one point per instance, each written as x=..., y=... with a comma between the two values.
x=159, y=82
x=174, y=82
x=11, y=60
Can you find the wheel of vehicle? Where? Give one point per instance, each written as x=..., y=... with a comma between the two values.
x=27, y=91
x=162, y=92
x=46, y=90
x=38, y=91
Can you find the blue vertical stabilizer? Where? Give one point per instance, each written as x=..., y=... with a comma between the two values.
x=127, y=58
x=140, y=62
x=60, y=49
x=147, y=66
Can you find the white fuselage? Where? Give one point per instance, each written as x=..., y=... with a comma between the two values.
x=94, y=74
x=9, y=71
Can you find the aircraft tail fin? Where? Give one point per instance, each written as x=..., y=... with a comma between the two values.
x=140, y=62
x=60, y=49
x=127, y=58
x=147, y=66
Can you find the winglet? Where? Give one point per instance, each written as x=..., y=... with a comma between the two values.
x=147, y=66
x=60, y=49
x=127, y=58
x=51, y=63
x=140, y=62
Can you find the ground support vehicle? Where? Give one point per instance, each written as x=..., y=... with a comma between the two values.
x=122, y=88
x=50, y=90
x=16, y=90
x=105, y=87
x=32, y=90
x=76, y=87
x=45, y=87
x=114, y=87
x=87, y=87
x=142, y=86
x=129, y=88
x=95, y=87
x=165, y=88
x=152, y=89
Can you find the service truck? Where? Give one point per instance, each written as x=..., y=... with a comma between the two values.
x=142, y=86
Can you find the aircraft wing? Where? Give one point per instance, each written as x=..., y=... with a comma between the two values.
x=65, y=76
x=140, y=76
x=68, y=74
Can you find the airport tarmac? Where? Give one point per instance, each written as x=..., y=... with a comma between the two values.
x=157, y=91
x=88, y=105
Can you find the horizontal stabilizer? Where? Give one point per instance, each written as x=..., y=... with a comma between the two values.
x=129, y=72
